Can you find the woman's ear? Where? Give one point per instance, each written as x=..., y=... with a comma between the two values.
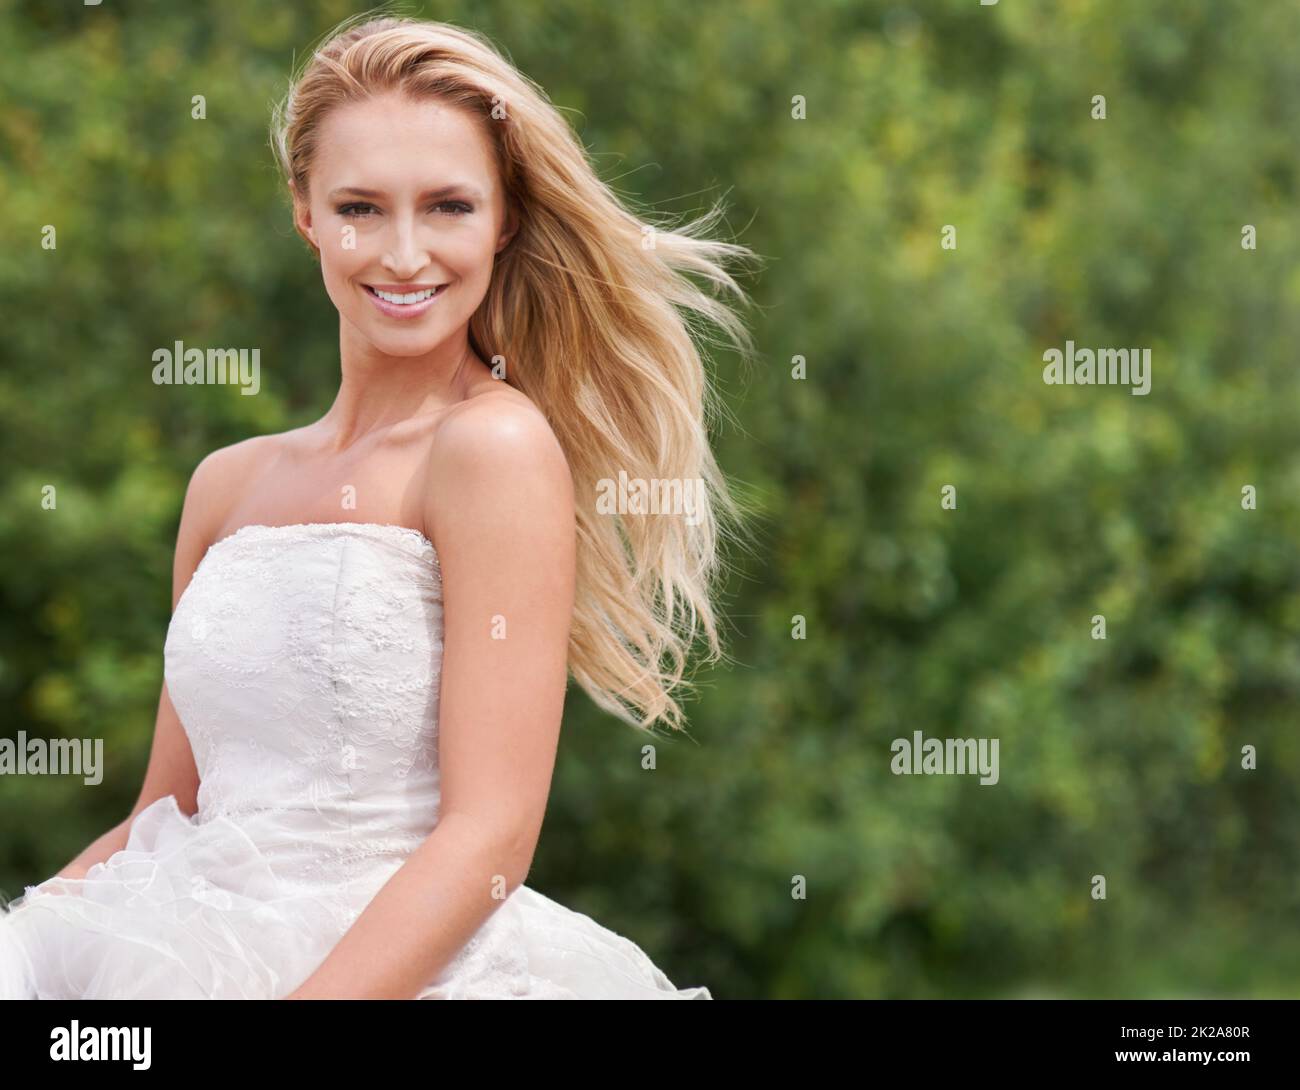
x=302, y=217
x=509, y=228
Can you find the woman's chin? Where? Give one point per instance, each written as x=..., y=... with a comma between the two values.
x=400, y=342
x=410, y=344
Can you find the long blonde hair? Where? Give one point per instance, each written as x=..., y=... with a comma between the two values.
x=594, y=312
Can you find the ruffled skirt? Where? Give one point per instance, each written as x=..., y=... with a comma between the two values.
x=195, y=910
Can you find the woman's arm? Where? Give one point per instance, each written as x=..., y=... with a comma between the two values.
x=171, y=769
x=501, y=511
x=108, y=844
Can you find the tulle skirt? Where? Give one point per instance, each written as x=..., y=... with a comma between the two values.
x=195, y=910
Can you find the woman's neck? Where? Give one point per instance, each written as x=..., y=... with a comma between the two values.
x=379, y=391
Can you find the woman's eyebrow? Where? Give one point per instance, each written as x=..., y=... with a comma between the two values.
x=458, y=188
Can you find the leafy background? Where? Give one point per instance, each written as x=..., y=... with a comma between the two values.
x=1118, y=757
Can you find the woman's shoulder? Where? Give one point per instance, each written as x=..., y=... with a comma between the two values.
x=221, y=476
x=494, y=417
x=242, y=455
x=496, y=448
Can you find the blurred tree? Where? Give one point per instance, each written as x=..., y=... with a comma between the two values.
x=1119, y=757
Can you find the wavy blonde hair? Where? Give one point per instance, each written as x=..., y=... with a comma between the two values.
x=595, y=310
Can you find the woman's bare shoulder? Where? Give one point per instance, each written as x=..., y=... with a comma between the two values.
x=223, y=473
x=494, y=414
x=219, y=480
x=495, y=443
x=244, y=454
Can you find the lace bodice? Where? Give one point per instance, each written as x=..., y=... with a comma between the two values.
x=304, y=663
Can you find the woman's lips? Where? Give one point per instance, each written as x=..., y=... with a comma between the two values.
x=403, y=310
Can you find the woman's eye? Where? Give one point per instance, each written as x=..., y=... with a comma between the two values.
x=359, y=209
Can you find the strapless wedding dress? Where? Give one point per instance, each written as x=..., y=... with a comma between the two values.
x=304, y=664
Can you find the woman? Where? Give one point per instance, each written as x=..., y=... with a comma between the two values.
x=375, y=615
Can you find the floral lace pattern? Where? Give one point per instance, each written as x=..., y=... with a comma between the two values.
x=310, y=653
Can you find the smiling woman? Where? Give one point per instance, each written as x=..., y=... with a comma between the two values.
x=391, y=239
x=375, y=616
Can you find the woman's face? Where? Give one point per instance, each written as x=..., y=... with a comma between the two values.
x=407, y=211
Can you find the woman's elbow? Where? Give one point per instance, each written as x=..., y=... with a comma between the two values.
x=506, y=849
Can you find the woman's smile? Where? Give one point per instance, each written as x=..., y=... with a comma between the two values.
x=404, y=300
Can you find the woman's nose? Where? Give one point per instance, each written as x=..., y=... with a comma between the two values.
x=405, y=255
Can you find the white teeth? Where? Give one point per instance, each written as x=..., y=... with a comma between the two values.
x=405, y=300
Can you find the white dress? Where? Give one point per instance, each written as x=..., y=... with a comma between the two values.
x=304, y=664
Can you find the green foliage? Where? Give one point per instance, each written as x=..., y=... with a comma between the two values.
x=1118, y=757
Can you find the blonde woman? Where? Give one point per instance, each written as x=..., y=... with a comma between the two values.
x=375, y=615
